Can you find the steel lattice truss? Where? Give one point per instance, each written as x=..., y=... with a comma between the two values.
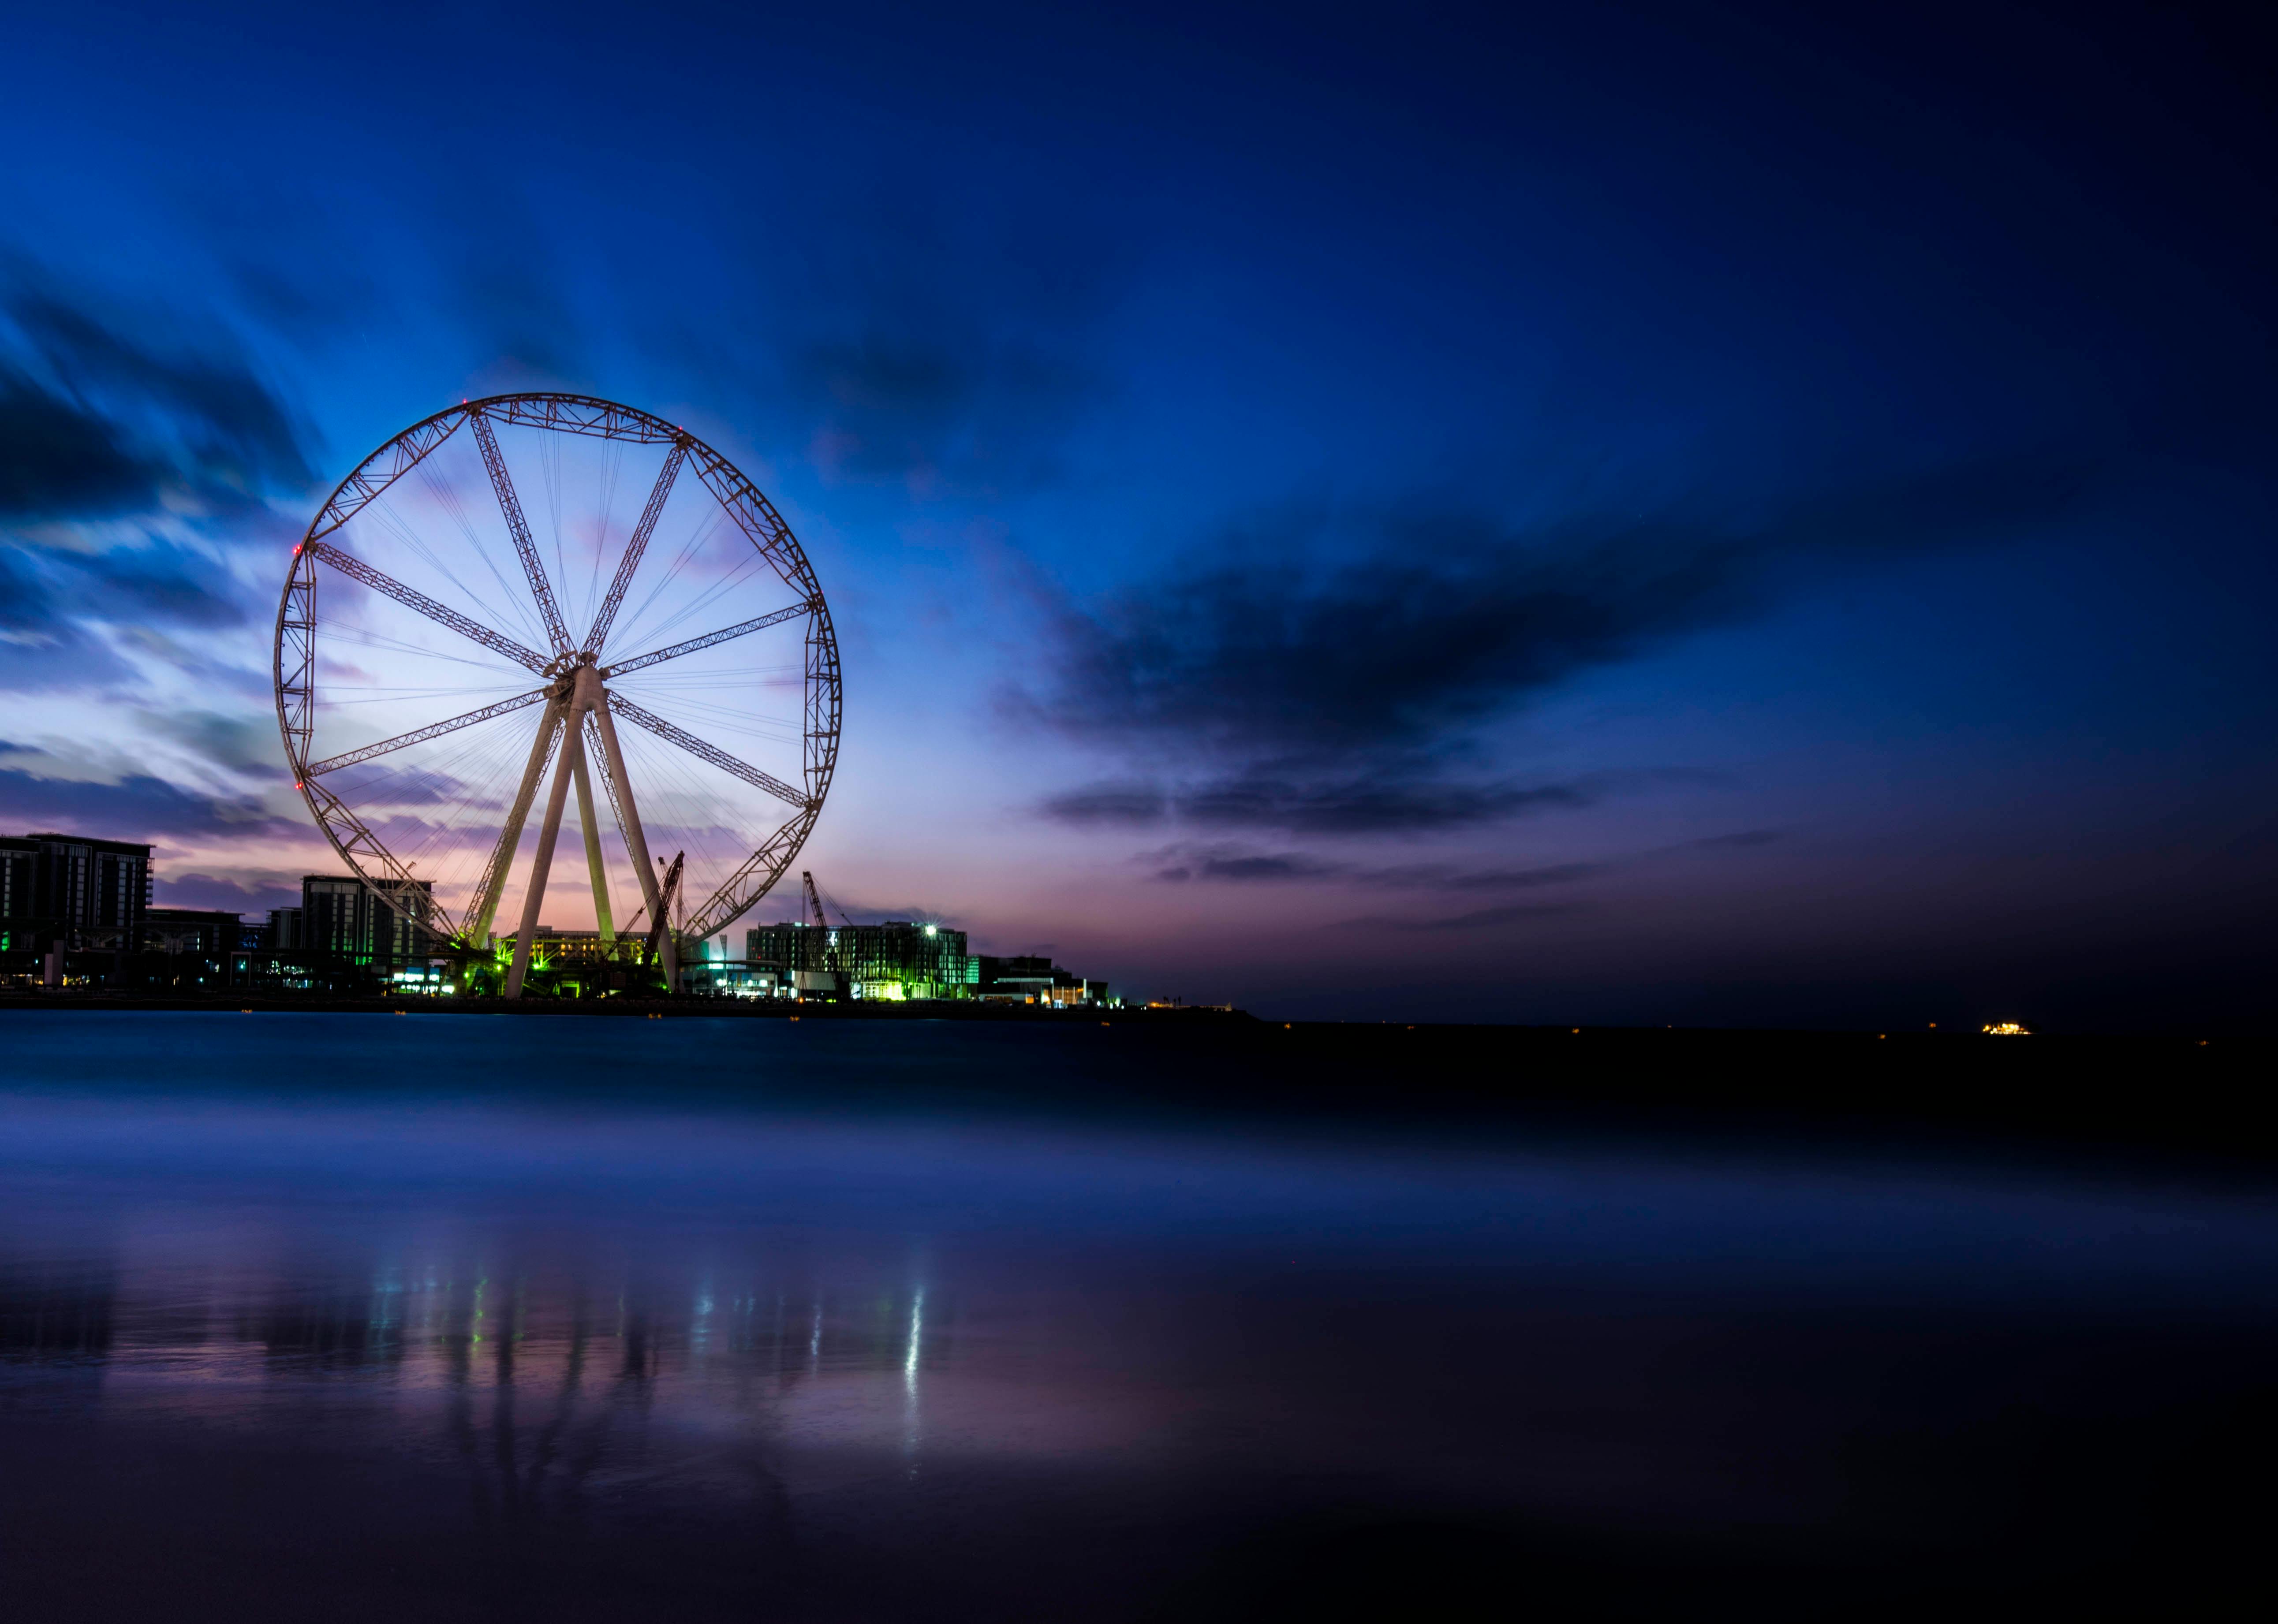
x=576, y=726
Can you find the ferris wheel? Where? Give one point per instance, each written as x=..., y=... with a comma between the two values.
x=490, y=598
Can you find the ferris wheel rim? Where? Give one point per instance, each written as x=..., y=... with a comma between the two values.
x=742, y=500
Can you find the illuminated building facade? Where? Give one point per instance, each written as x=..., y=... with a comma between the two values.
x=71, y=892
x=898, y=959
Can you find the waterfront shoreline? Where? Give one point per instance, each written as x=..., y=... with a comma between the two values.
x=2160, y=1093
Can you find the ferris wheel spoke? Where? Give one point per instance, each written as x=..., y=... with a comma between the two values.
x=657, y=657
x=532, y=566
x=380, y=581
x=637, y=546
x=420, y=736
x=703, y=752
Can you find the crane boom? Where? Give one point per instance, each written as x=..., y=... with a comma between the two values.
x=667, y=890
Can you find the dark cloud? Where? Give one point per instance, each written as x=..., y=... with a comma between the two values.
x=28, y=602
x=48, y=593
x=158, y=584
x=1339, y=697
x=1366, y=806
x=1247, y=867
x=1478, y=918
x=99, y=422
x=57, y=457
x=946, y=352
x=1369, y=805
x=1239, y=864
x=1744, y=837
x=1128, y=804
x=98, y=425
x=1448, y=878
x=1447, y=621
x=978, y=413
x=138, y=807
x=241, y=744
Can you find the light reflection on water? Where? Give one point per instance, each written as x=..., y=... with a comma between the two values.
x=745, y=1346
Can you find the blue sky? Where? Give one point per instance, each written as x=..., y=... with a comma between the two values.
x=1654, y=515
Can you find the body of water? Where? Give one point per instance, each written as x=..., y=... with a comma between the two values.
x=353, y=1317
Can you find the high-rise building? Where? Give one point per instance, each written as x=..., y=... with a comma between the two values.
x=342, y=920
x=284, y=930
x=72, y=892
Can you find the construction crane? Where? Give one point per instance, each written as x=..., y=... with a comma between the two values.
x=668, y=892
x=814, y=901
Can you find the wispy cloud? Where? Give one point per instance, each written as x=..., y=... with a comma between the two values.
x=129, y=468
x=1372, y=804
x=97, y=421
x=1348, y=698
x=1247, y=866
x=250, y=891
x=944, y=350
x=1478, y=918
x=134, y=807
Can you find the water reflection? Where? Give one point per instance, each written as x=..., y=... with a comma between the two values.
x=868, y=1366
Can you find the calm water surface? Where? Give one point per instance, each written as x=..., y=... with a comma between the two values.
x=355, y=1317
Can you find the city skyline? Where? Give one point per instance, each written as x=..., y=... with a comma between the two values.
x=1598, y=518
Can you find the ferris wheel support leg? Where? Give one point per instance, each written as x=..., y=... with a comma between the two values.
x=542, y=862
x=486, y=910
x=637, y=843
x=576, y=746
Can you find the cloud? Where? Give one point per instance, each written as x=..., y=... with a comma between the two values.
x=945, y=352
x=1377, y=804
x=1448, y=620
x=56, y=457
x=1124, y=803
x=1444, y=877
x=255, y=891
x=240, y=744
x=1339, y=696
x=137, y=807
x=1369, y=805
x=27, y=599
x=1478, y=918
x=126, y=468
x=1744, y=837
x=1243, y=865
x=1246, y=867
x=95, y=422
x=158, y=583
x=55, y=656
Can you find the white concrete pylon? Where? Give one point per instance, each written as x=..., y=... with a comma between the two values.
x=485, y=909
x=542, y=863
x=576, y=745
x=636, y=841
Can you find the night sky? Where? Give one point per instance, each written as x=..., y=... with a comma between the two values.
x=1693, y=515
